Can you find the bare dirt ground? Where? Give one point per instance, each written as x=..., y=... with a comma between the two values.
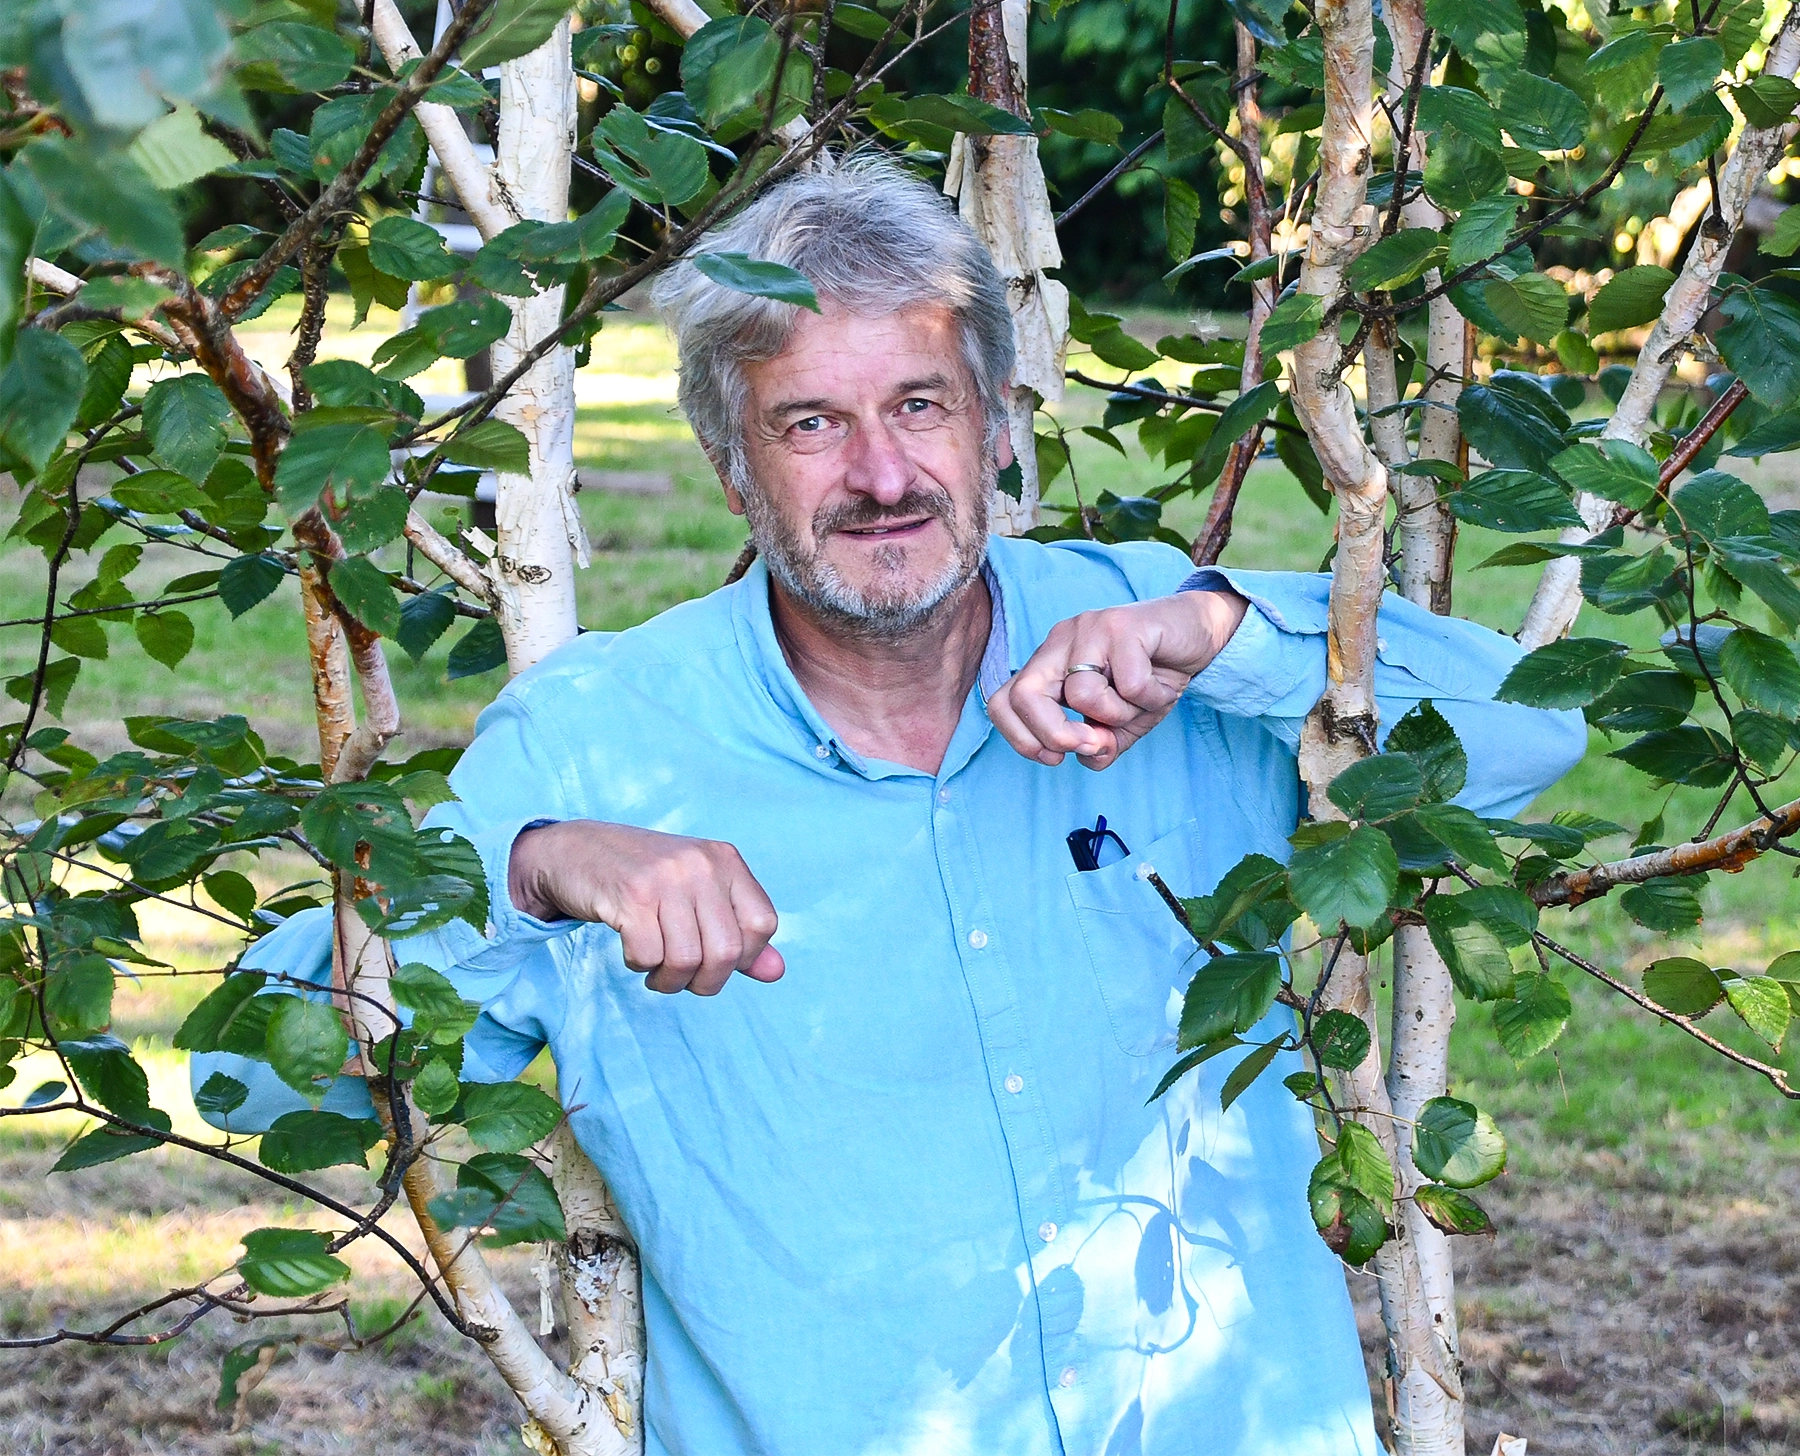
x=1625, y=1307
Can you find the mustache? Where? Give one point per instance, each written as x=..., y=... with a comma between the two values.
x=862, y=513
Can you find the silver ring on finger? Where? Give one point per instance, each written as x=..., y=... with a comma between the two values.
x=1086, y=667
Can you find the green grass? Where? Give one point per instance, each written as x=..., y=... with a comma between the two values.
x=1616, y=1078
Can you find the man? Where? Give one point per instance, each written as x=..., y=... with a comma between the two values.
x=892, y=1168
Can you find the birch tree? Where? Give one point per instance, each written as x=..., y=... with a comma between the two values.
x=1409, y=355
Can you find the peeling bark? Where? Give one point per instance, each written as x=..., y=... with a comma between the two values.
x=1342, y=728
x=999, y=187
x=1557, y=601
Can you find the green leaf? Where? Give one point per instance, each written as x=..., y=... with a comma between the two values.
x=1625, y=472
x=404, y=247
x=587, y=239
x=1630, y=297
x=1784, y=238
x=1247, y=1071
x=1460, y=172
x=1665, y=904
x=1535, y=1017
x=106, y=1145
x=369, y=285
x=440, y=1014
x=506, y=1193
x=1186, y=1064
x=83, y=636
x=1763, y=671
x=289, y=1263
x=1340, y=1040
x=1688, y=68
x=655, y=166
x=40, y=394
x=1575, y=353
x=110, y=1075
x=364, y=588
x=1181, y=215
x=1378, y=787
x=1514, y=500
x=247, y=580
x=1760, y=343
x=159, y=493
x=1352, y=878
x=286, y=55
x=1395, y=261
x=220, y=1095
x=1543, y=114
x=760, y=279
x=1461, y=832
x=1762, y=1004
x=1244, y=414
x=207, y=1023
x=1457, y=1144
x=299, y=1142
x=436, y=1089
x=370, y=814
x=343, y=451
x=1230, y=993
x=1425, y=736
x=1683, y=985
x=1363, y=1165
x=1482, y=230
x=1686, y=755
x=481, y=649
x=1248, y=908
x=1476, y=956
x=175, y=150
x=453, y=330
x=186, y=418
x=514, y=28
x=105, y=193
x=1767, y=102
x=1490, y=34
x=1570, y=673
x=1456, y=109
x=306, y=1044
x=1532, y=305
x=1452, y=1211
x=168, y=636
x=1293, y=321
x=1513, y=424
x=507, y=1117
x=1086, y=125
x=424, y=619
x=1350, y=1223
x=728, y=73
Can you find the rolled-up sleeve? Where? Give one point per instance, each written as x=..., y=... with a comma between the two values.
x=1273, y=669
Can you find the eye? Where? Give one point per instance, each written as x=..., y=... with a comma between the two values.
x=811, y=425
x=915, y=406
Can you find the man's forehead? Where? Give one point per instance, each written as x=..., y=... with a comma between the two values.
x=839, y=353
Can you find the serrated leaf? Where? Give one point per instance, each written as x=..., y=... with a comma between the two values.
x=1254, y=1064
x=1229, y=994
x=363, y=587
x=509, y=1194
x=1186, y=1064
x=1457, y=1144
x=299, y=1142
x=1763, y=671
x=287, y=55
x=1532, y=306
x=220, y=1095
x=207, y=1023
x=514, y=28
x=1452, y=1211
x=1688, y=68
x=436, y=1089
x=289, y=1263
x=1535, y=1016
x=1482, y=229
x=107, y=1145
x=1475, y=954
x=1683, y=985
x=1350, y=879
x=341, y=451
x=424, y=619
x=1690, y=754
x=167, y=636
x=1767, y=102
x=404, y=247
x=1378, y=787
x=1294, y=320
x=1615, y=470
x=1363, y=1164
x=1664, y=904
x=490, y=445
x=1762, y=1004
x=306, y=1044
x=1514, y=500
x=1396, y=261
x=1760, y=343
x=439, y=1013
x=761, y=279
x=247, y=580
x=1542, y=113
x=40, y=395
x=507, y=1117
x=1630, y=297
x=1514, y=424
x=1570, y=673
x=1425, y=735
x=481, y=649
x=1340, y=1040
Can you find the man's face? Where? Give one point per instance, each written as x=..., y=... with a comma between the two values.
x=865, y=443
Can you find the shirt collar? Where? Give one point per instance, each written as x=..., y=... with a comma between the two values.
x=815, y=739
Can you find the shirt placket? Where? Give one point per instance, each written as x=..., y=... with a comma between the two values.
x=987, y=954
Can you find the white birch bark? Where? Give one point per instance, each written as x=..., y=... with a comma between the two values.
x=1557, y=601
x=1342, y=728
x=998, y=184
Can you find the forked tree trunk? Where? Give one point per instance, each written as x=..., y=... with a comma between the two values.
x=1427, y=1389
x=998, y=183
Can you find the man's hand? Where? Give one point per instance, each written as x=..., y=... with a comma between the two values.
x=688, y=911
x=1145, y=653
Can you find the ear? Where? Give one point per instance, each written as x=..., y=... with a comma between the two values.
x=1004, y=455
x=734, y=500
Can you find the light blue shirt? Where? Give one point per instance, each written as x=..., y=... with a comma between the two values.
x=911, y=1198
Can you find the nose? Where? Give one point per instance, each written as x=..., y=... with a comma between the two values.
x=876, y=464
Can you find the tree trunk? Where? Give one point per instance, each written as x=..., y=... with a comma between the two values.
x=1342, y=728
x=1000, y=191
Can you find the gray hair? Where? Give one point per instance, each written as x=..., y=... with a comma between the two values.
x=872, y=238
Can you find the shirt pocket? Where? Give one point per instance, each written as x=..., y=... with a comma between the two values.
x=1142, y=957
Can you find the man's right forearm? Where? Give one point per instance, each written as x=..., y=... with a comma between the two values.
x=527, y=884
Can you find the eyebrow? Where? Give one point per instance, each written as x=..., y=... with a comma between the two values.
x=819, y=404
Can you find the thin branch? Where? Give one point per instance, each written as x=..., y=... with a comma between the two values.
x=1163, y=396
x=1130, y=160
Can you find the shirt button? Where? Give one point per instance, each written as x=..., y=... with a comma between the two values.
x=1047, y=1232
x=1014, y=1083
x=977, y=939
x=1067, y=1378
x=943, y=796
x=822, y=751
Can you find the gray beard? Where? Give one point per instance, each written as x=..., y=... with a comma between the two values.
x=817, y=584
